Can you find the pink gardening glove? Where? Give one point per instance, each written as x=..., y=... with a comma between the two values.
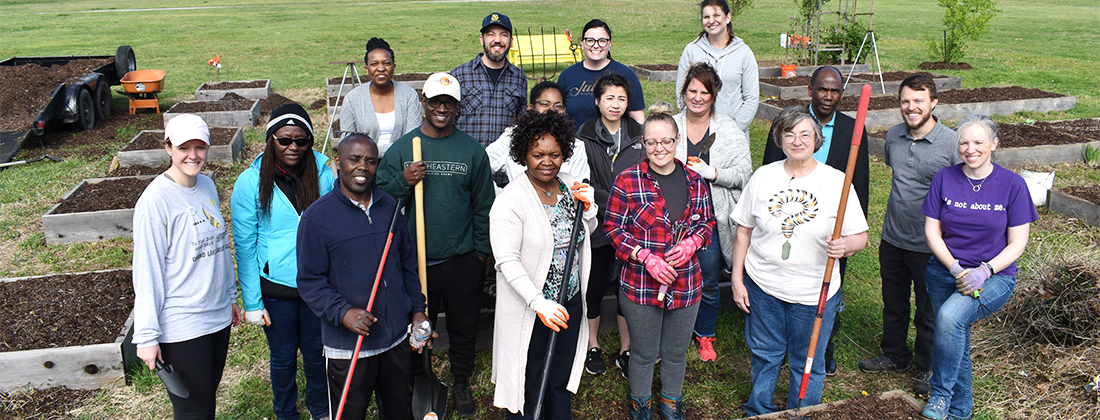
x=657, y=267
x=681, y=253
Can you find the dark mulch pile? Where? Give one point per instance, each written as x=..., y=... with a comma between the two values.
x=230, y=102
x=140, y=170
x=106, y=195
x=350, y=80
x=928, y=65
x=219, y=136
x=869, y=408
x=50, y=403
x=657, y=67
x=1089, y=193
x=410, y=77
x=64, y=310
x=954, y=96
x=786, y=81
x=233, y=85
x=94, y=143
x=273, y=101
x=318, y=104
x=26, y=89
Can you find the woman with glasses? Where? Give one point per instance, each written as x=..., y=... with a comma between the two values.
x=659, y=215
x=785, y=220
x=579, y=79
x=383, y=109
x=731, y=57
x=267, y=201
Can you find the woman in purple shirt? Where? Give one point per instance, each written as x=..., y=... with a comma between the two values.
x=978, y=218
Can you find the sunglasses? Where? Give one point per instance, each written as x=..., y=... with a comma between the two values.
x=435, y=103
x=301, y=142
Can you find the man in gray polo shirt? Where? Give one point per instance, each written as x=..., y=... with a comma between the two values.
x=916, y=150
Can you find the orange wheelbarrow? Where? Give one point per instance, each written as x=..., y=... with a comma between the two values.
x=142, y=86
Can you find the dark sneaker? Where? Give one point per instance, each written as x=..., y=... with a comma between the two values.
x=881, y=364
x=593, y=363
x=464, y=400
x=921, y=383
x=830, y=367
x=936, y=409
x=623, y=362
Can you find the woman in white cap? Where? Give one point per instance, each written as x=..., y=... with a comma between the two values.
x=184, y=293
x=268, y=199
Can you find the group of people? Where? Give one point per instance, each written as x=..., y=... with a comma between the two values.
x=565, y=200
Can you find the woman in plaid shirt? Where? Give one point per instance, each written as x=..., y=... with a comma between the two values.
x=659, y=214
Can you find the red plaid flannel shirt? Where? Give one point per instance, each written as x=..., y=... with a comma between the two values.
x=636, y=216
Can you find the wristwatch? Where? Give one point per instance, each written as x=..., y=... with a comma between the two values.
x=990, y=267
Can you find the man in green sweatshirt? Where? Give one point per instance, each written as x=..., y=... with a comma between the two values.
x=458, y=193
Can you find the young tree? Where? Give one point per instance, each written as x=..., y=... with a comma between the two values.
x=965, y=20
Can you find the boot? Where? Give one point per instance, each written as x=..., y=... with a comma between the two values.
x=671, y=408
x=641, y=409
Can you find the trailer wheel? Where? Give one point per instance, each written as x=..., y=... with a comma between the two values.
x=85, y=111
x=124, y=61
x=102, y=100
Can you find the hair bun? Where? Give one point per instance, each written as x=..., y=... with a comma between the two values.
x=376, y=42
x=660, y=108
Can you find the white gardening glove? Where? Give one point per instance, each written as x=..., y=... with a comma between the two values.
x=587, y=195
x=260, y=317
x=706, y=171
x=552, y=314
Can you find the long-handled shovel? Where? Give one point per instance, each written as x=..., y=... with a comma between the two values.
x=857, y=138
x=370, y=305
x=578, y=220
x=20, y=162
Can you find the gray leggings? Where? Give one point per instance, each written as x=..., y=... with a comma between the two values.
x=655, y=330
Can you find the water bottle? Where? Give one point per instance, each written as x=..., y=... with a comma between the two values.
x=420, y=334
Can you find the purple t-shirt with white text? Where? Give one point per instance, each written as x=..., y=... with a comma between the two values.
x=975, y=224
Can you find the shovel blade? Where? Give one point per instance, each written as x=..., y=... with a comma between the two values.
x=429, y=393
x=172, y=380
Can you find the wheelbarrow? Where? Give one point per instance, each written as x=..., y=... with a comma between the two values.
x=142, y=86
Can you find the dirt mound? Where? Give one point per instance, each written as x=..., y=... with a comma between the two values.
x=26, y=89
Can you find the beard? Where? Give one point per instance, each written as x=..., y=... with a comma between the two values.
x=495, y=57
x=925, y=116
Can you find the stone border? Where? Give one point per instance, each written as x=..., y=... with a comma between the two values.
x=1072, y=206
x=76, y=367
x=248, y=93
x=908, y=399
x=221, y=154
x=65, y=228
x=242, y=118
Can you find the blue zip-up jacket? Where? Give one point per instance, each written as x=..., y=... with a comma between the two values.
x=270, y=240
x=339, y=248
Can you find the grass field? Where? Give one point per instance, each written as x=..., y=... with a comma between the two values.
x=1045, y=45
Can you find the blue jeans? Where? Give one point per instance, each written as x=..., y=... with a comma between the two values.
x=710, y=266
x=294, y=327
x=955, y=312
x=774, y=329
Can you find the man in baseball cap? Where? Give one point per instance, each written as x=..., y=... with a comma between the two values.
x=500, y=87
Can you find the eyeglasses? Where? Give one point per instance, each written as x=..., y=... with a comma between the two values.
x=555, y=105
x=651, y=144
x=591, y=42
x=301, y=142
x=805, y=137
x=436, y=103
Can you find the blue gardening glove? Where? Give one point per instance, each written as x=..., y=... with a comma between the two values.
x=974, y=279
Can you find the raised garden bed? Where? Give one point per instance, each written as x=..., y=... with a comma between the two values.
x=147, y=148
x=249, y=89
x=414, y=80
x=231, y=110
x=884, y=110
x=798, y=87
x=894, y=405
x=1079, y=202
x=96, y=209
x=667, y=72
x=892, y=80
x=776, y=71
x=64, y=330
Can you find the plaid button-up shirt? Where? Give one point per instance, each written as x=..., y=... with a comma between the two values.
x=636, y=216
x=486, y=109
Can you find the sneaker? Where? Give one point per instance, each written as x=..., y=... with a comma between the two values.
x=881, y=364
x=830, y=367
x=593, y=363
x=623, y=362
x=464, y=400
x=706, y=349
x=936, y=409
x=921, y=383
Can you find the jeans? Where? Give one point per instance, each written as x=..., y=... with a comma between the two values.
x=900, y=270
x=955, y=312
x=294, y=327
x=774, y=329
x=656, y=331
x=199, y=363
x=710, y=265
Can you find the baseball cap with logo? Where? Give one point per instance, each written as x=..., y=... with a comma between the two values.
x=442, y=84
x=496, y=19
x=184, y=128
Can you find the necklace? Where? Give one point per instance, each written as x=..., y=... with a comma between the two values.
x=547, y=192
x=978, y=187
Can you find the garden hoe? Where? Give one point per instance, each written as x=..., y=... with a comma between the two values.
x=20, y=162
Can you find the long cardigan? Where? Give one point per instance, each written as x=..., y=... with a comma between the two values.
x=523, y=246
x=730, y=156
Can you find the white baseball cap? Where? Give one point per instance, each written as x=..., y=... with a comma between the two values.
x=442, y=84
x=184, y=128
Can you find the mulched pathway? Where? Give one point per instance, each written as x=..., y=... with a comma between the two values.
x=219, y=136
x=230, y=102
x=64, y=310
x=26, y=89
x=953, y=96
x=113, y=194
x=49, y=403
x=1089, y=193
x=233, y=85
x=868, y=408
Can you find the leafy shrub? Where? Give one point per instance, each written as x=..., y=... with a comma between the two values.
x=965, y=21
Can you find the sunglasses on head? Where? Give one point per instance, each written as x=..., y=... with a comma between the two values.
x=301, y=142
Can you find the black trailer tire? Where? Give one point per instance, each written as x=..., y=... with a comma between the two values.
x=102, y=99
x=85, y=111
x=124, y=61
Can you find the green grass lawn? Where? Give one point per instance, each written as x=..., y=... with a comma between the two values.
x=1045, y=45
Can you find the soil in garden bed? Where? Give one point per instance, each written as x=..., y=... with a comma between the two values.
x=1038, y=134
x=1089, y=193
x=867, y=407
x=658, y=67
x=113, y=194
x=26, y=89
x=891, y=76
x=64, y=310
x=140, y=170
x=233, y=85
x=1087, y=128
x=350, y=80
x=411, y=77
x=49, y=403
x=333, y=101
x=219, y=136
x=928, y=65
x=947, y=97
x=272, y=102
x=786, y=81
x=230, y=102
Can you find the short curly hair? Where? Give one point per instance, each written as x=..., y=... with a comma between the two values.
x=532, y=124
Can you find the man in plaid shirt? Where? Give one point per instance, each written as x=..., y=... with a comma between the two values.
x=494, y=91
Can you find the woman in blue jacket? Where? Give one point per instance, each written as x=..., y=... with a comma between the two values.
x=268, y=199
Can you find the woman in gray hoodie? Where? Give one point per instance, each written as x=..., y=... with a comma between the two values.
x=731, y=57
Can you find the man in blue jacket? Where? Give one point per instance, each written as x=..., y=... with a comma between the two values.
x=341, y=239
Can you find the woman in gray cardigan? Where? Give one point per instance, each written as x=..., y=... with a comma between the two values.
x=382, y=109
x=717, y=149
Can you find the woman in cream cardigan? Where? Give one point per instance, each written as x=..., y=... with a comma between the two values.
x=530, y=226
